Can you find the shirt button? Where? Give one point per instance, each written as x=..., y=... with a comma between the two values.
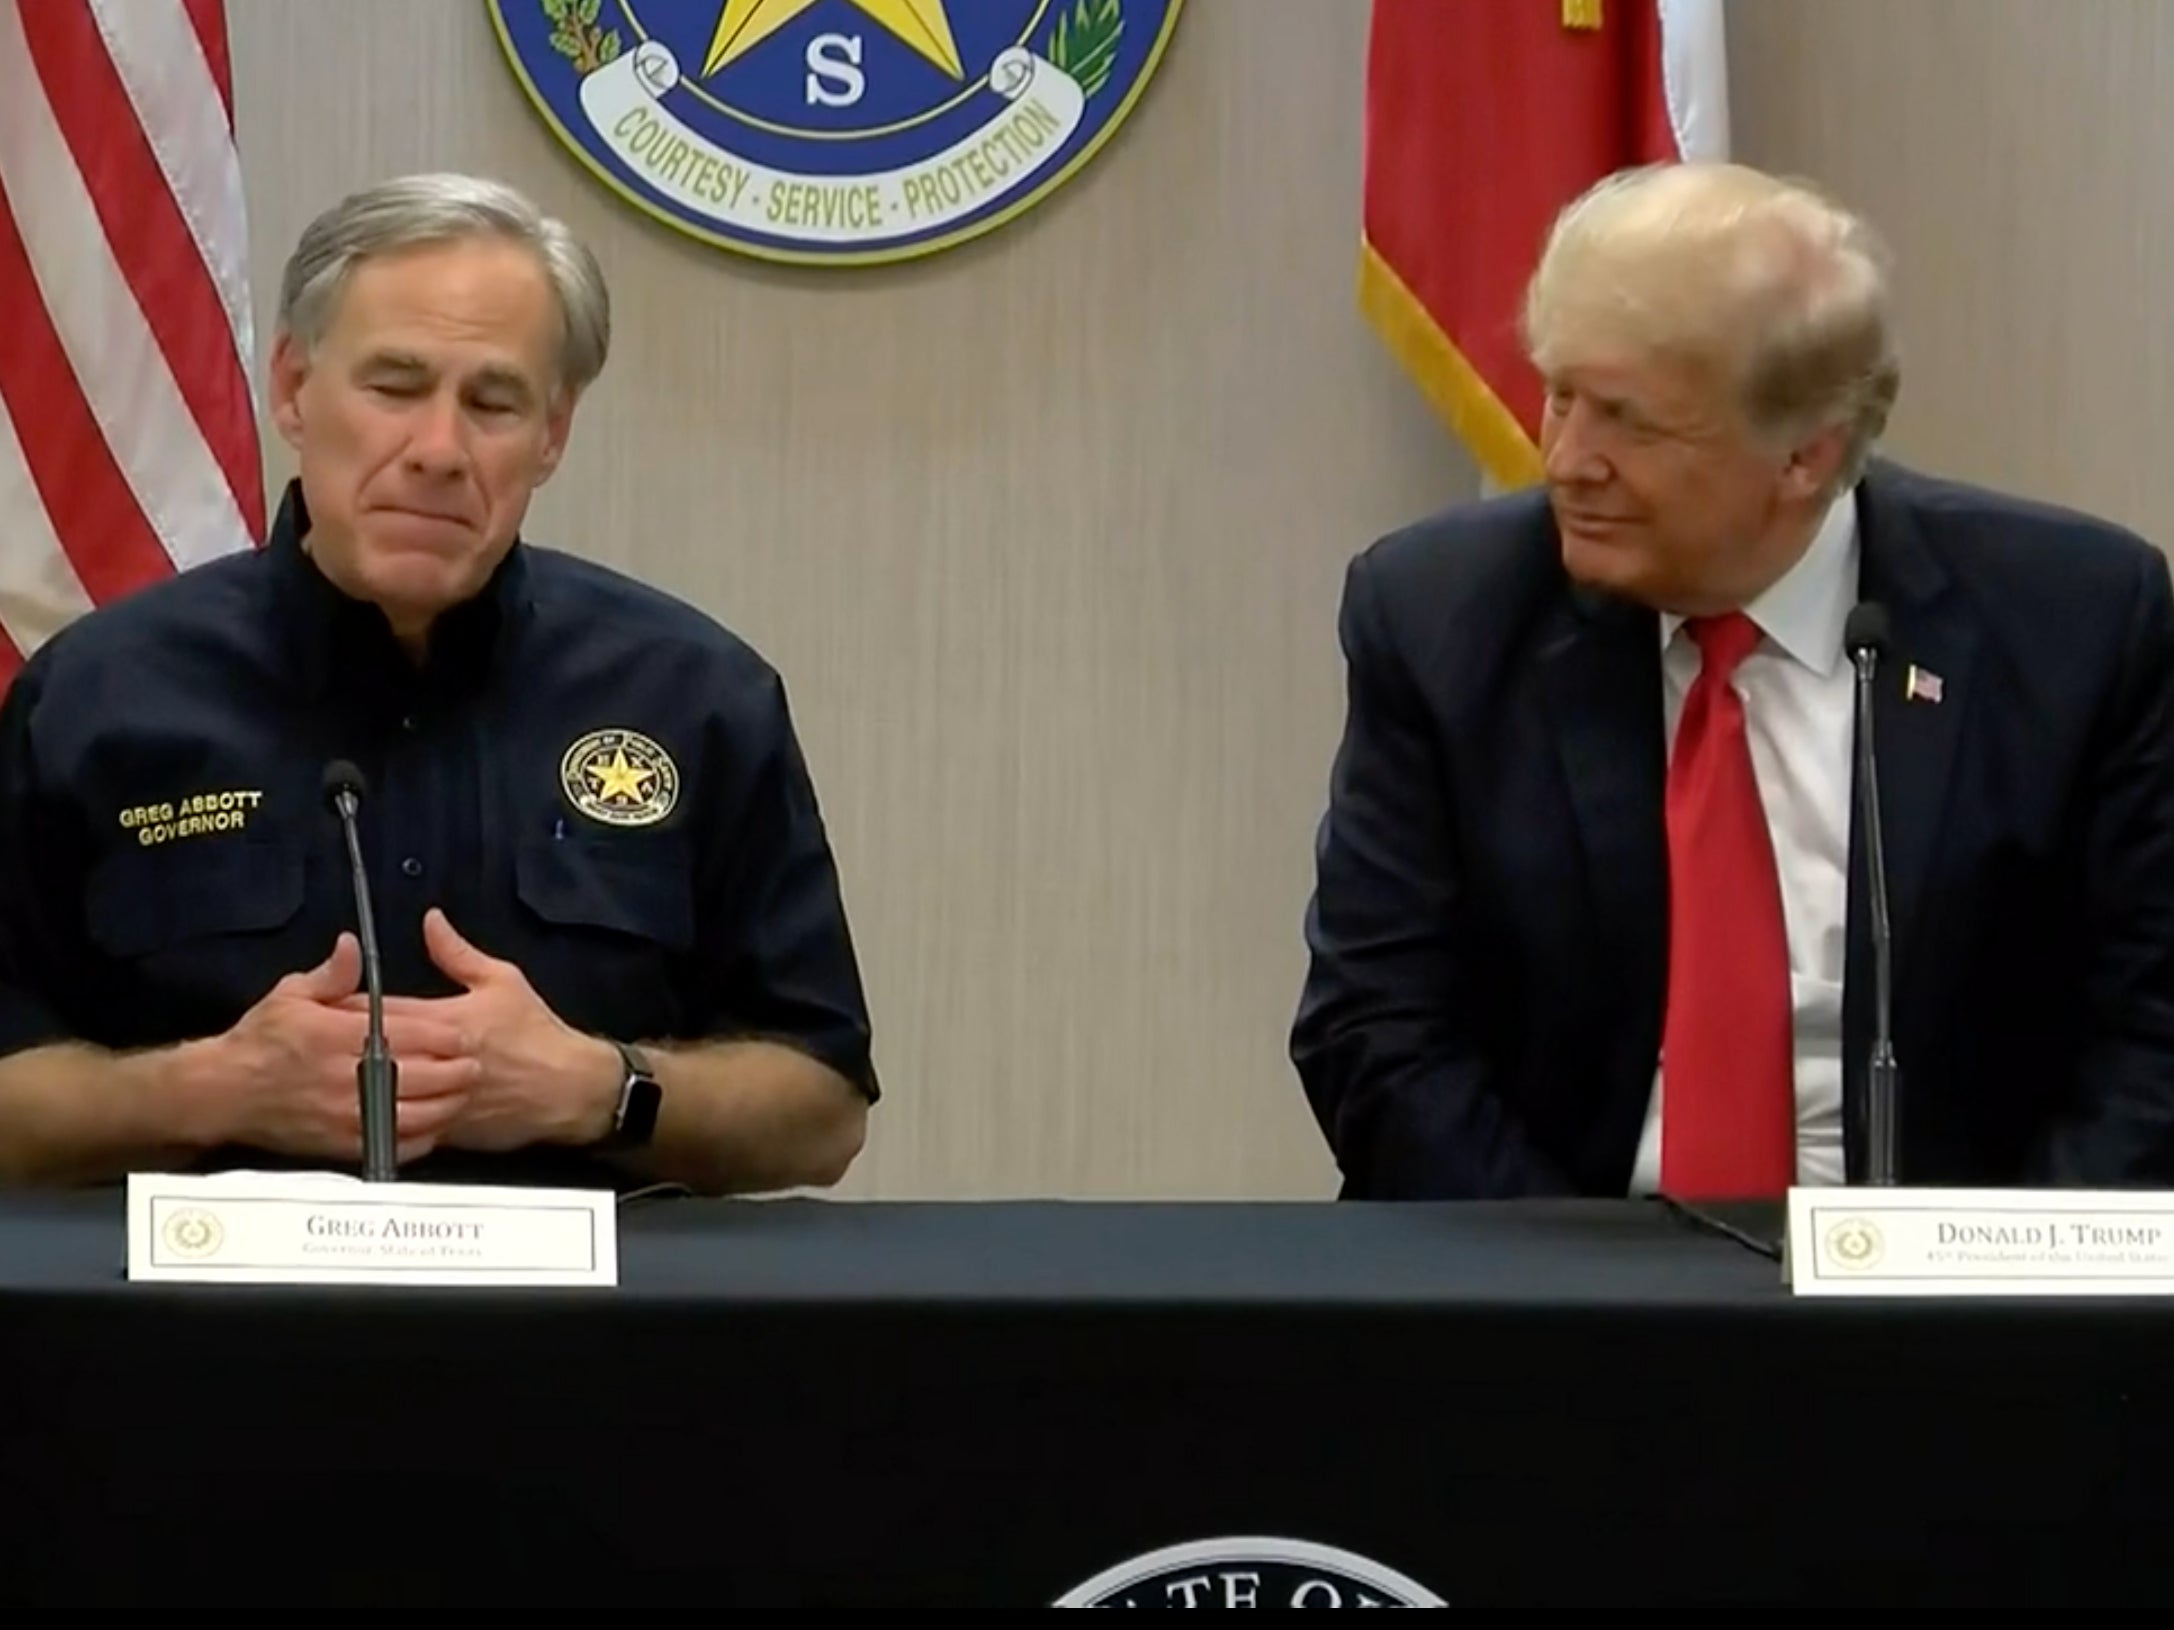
x=412, y=867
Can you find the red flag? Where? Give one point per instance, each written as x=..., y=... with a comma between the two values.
x=128, y=441
x=1483, y=119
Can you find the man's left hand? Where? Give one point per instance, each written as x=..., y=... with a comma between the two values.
x=540, y=1080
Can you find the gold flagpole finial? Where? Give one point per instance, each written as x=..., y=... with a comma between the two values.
x=1581, y=13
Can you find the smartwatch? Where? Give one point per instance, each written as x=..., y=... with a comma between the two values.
x=634, y=1122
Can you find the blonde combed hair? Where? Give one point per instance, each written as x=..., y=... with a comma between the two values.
x=1764, y=281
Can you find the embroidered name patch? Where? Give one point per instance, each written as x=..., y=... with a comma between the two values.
x=198, y=815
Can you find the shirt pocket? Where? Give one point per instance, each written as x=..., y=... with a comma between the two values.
x=605, y=929
x=185, y=938
x=139, y=903
x=639, y=890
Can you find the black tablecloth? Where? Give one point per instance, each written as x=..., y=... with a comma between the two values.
x=830, y=1402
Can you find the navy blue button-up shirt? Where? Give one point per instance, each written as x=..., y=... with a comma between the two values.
x=594, y=781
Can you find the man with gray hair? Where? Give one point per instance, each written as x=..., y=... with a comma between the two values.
x=613, y=941
x=1592, y=912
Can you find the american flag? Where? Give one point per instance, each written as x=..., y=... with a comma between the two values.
x=128, y=441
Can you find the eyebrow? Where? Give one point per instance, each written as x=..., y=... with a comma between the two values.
x=392, y=362
x=407, y=365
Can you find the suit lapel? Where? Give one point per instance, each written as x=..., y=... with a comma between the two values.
x=1922, y=699
x=1600, y=669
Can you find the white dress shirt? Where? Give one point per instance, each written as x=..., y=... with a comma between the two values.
x=1799, y=710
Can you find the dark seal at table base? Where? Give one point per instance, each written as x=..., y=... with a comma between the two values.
x=1249, y=1572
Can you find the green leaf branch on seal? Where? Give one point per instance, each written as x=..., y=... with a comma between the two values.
x=575, y=36
x=1084, y=42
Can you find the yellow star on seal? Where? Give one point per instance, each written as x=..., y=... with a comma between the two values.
x=922, y=24
x=618, y=779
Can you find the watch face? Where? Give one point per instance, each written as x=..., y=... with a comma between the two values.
x=639, y=1096
x=640, y=1118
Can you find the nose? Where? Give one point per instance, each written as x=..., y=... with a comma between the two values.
x=438, y=439
x=1569, y=449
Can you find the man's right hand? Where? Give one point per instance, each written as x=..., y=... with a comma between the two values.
x=283, y=1079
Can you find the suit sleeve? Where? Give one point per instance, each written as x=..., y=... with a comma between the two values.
x=1386, y=1041
x=2119, y=1130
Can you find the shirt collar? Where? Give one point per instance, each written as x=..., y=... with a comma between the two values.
x=1806, y=611
x=341, y=639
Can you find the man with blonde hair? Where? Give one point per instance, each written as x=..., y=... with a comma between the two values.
x=1591, y=914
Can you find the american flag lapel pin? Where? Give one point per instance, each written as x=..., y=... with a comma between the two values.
x=1921, y=684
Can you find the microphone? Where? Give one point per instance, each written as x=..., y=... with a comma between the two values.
x=376, y=1076
x=1866, y=637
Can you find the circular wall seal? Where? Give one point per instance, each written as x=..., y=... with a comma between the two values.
x=834, y=131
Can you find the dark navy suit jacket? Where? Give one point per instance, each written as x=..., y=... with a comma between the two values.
x=1488, y=934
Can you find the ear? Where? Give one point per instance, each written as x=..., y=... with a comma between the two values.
x=289, y=368
x=1813, y=463
x=558, y=426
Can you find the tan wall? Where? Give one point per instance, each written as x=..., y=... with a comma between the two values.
x=2020, y=154
x=1045, y=533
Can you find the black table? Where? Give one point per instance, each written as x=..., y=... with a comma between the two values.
x=829, y=1402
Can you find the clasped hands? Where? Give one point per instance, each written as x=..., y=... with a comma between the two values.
x=491, y=1068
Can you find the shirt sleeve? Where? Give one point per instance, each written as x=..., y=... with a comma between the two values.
x=28, y=1015
x=776, y=959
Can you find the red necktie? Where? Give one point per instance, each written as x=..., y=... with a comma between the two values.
x=1728, y=1077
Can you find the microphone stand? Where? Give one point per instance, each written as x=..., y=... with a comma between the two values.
x=376, y=1075
x=1881, y=1085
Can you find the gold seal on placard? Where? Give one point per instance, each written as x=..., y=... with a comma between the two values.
x=193, y=1232
x=1854, y=1243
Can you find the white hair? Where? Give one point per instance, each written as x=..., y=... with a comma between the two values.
x=415, y=210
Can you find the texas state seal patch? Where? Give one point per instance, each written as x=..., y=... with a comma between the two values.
x=834, y=131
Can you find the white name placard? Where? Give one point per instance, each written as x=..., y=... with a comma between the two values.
x=1979, y=1242
x=324, y=1228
